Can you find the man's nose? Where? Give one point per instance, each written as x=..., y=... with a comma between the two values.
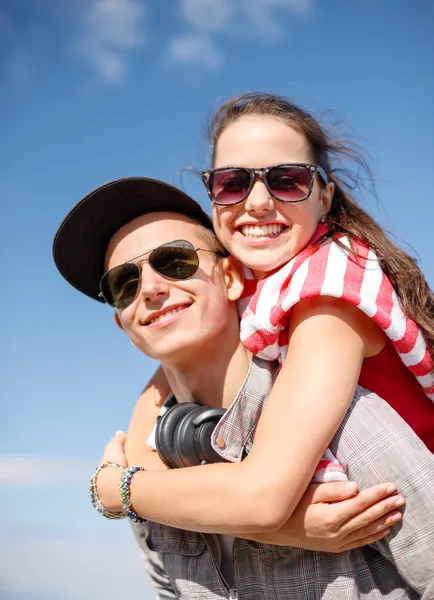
x=153, y=285
x=259, y=199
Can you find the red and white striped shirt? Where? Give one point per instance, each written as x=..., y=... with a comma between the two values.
x=327, y=269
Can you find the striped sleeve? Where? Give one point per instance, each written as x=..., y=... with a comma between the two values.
x=331, y=270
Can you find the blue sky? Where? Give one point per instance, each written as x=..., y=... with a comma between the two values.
x=92, y=90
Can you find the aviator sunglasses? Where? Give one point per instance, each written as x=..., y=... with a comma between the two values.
x=287, y=183
x=177, y=260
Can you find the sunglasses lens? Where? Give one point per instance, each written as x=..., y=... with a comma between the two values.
x=175, y=262
x=289, y=183
x=119, y=285
x=229, y=186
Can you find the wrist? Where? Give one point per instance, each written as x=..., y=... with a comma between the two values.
x=108, y=489
x=125, y=491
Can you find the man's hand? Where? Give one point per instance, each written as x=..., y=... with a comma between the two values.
x=114, y=450
x=330, y=518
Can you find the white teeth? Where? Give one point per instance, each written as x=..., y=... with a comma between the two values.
x=261, y=230
x=166, y=315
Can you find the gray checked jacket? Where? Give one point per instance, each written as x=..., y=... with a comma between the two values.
x=375, y=445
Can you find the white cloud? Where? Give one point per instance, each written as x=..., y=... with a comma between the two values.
x=108, y=33
x=35, y=471
x=208, y=14
x=110, y=30
x=73, y=569
x=209, y=21
x=195, y=48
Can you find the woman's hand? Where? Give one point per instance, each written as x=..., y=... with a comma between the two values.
x=330, y=518
x=109, y=478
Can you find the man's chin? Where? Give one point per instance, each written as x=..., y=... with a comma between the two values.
x=172, y=352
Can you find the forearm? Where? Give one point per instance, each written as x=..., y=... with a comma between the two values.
x=142, y=422
x=147, y=458
x=217, y=498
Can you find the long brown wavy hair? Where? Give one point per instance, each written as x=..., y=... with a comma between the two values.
x=346, y=215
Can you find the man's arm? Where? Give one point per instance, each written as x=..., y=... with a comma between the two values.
x=375, y=444
x=143, y=421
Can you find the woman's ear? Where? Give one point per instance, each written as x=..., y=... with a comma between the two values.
x=234, y=277
x=117, y=320
x=327, y=196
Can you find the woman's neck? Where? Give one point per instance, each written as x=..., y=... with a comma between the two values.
x=214, y=378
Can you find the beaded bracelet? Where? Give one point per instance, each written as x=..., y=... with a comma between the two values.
x=124, y=489
x=94, y=498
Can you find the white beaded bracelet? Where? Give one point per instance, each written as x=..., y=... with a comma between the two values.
x=94, y=498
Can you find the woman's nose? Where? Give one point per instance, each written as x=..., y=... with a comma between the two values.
x=259, y=199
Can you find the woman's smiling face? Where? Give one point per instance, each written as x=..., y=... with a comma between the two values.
x=262, y=232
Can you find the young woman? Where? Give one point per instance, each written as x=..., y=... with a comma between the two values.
x=332, y=285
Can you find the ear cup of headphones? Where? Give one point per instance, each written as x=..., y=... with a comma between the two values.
x=183, y=435
x=165, y=431
x=204, y=423
x=184, y=451
x=192, y=437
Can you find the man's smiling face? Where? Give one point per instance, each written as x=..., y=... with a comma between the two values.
x=172, y=320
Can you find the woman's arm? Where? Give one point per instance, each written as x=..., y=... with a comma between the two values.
x=328, y=518
x=319, y=377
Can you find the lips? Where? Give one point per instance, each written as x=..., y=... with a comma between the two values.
x=258, y=230
x=166, y=315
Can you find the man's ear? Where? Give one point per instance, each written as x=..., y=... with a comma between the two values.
x=117, y=320
x=234, y=277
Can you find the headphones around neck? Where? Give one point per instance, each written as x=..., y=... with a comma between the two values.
x=183, y=434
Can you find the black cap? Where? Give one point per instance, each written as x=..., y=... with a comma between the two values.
x=81, y=241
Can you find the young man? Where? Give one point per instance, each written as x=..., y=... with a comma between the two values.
x=191, y=326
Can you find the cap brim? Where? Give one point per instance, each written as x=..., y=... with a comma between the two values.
x=81, y=241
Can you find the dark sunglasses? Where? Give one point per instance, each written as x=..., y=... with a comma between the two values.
x=287, y=183
x=175, y=260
